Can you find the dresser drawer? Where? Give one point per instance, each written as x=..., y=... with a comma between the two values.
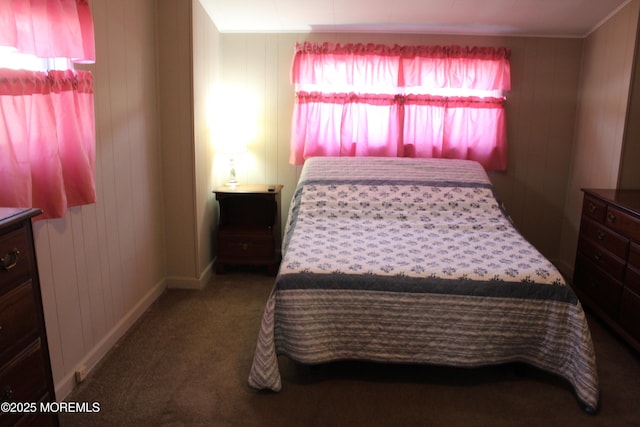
x=632, y=276
x=630, y=313
x=594, y=208
x=632, y=279
x=23, y=379
x=600, y=288
x=18, y=321
x=14, y=259
x=39, y=419
x=623, y=223
x=602, y=258
x=604, y=237
x=634, y=256
x=241, y=245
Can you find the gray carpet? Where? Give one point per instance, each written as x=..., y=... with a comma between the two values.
x=186, y=362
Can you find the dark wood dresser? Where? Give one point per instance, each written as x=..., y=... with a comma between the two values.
x=249, y=226
x=25, y=369
x=607, y=269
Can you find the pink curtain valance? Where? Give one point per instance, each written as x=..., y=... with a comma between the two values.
x=433, y=51
x=48, y=28
x=478, y=68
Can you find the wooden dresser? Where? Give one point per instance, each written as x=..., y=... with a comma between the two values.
x=249, y=226
x=25, y=369
x=607, y=269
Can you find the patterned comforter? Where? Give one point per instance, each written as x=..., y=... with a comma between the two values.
x=414, y=261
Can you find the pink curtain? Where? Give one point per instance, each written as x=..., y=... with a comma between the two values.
x=386, y=119
x=456, y=128
x=47, y=131
x=345, y=125
x=47, y=124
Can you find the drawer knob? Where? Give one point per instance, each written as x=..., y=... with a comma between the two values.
x=244, y=246
x=601, y=235
x=611, y=218
x=597, y=257
x=592, y=208
x=10, y=260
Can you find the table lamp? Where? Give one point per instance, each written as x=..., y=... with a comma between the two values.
x=232, y=149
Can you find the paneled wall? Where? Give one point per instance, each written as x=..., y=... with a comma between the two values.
x=187, y=68
x=206, y=71
x=540, y=115
x=602, y=116
x=629, y=170
x=176, y=107
x=103, y=264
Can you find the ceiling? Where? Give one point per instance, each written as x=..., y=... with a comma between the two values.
x=553, y=18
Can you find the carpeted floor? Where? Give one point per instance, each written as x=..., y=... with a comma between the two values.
x=186, y=362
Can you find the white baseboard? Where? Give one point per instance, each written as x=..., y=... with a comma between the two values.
x=191, y=282
x=68, y=382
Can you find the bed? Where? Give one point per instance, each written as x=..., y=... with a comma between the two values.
x=401, y=260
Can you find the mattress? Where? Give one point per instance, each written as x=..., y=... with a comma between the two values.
x=402, y=260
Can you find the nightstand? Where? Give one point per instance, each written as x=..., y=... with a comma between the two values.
x=249, y=226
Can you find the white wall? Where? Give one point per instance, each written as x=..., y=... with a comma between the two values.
x=103, y=264
x=206, y=71
x=187, y=69
x=175, y=106
x=605, y=82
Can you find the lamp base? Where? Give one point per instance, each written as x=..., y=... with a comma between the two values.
x=232, y=173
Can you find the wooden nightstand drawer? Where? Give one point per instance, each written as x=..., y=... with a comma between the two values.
x=600, y=288
x=14, y=259
x=594, y=208
x=604, y=237
x=18, y=321
x=243, y=245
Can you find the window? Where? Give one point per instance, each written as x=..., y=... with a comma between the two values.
x=47, y=124
x=10, y=58
x=400, y=101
